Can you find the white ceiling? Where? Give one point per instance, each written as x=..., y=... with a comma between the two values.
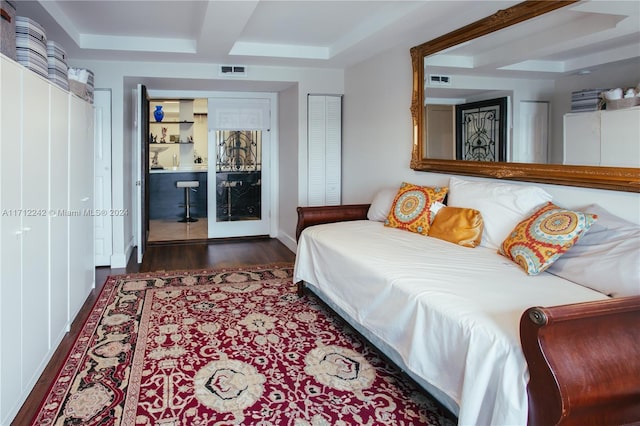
x=260, y=32
x=329, y=33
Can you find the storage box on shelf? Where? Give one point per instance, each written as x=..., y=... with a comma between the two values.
x=8, y=29
x=623, y=103
x=586, y=100
x=31, y=45
x=57, y=62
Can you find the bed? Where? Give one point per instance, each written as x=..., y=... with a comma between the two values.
x=493, y=345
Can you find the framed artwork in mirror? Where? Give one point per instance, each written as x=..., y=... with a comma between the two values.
x=481, y=130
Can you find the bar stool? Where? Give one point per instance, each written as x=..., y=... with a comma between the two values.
x=188, y=185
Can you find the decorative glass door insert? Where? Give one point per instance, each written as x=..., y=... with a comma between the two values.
x=238, y=175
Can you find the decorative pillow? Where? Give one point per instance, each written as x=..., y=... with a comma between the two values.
x=411, y=208
x=607, y=258
x=539, y=240
x=381, y=204
x=502, y=205
x=458, y=225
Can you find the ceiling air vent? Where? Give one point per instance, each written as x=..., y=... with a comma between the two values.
x=439, y=80
x=232, y=71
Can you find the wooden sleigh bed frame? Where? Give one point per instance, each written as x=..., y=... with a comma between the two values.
x=583, y=359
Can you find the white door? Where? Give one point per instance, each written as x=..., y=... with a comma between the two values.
x=532, y=144
x=239, y=181
x=103, y=223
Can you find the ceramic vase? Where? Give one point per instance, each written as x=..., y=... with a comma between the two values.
x=158, y=114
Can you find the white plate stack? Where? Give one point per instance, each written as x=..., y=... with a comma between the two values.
x=31, y=45
x=57, y=61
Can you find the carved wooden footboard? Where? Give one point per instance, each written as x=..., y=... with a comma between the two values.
x=584, y=362
x=583, y=359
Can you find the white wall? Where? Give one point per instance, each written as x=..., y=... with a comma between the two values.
x=376, y=133
x=377, y=139
x=120, y=76
x=288, y=175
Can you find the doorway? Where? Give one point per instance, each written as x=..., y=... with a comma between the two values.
x=177, y=175
x=235, y=163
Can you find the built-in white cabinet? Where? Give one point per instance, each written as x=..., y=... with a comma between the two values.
x=81, y=235
x=324, y=125
x=46, y=224
x=603, y=138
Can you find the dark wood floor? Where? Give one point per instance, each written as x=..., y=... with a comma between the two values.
x=161, y=257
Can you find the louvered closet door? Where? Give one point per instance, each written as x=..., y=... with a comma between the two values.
x=324, y=150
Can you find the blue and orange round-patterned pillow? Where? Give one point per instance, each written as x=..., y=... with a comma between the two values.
x=411, y=207
x=538, y=241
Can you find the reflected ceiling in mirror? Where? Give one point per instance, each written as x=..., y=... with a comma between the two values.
x=482, y=60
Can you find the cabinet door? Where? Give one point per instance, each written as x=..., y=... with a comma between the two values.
x=10, y=240
x=59, y=203
x=81, y=253
x=621, y=138
x=582, y=139
x=35, y=222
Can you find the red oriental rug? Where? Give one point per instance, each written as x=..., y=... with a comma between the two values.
x=234, y=346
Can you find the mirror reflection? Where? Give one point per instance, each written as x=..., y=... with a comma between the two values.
x=548, y=72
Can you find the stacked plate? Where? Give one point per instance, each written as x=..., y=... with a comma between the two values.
x=57, y=61
x=31, y=45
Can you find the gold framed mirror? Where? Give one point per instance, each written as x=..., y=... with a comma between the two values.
x=612, y=178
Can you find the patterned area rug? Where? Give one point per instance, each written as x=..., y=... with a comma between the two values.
x=234, y=346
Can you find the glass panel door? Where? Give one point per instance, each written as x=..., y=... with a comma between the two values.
x=239, y=134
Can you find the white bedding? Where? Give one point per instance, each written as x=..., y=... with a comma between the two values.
x=448, y=314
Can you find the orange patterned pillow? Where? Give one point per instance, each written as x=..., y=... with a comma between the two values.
x=411, y=208
x=538, y=241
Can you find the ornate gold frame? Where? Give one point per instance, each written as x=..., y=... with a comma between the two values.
x=612, y=178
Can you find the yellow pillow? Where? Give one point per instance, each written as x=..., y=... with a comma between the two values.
x=539, y=240
x=411, y=207
x=458, y=225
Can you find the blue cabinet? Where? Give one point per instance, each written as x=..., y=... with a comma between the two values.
x=166, y=201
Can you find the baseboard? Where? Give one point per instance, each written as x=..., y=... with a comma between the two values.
x=120, y=260
x=288, y=241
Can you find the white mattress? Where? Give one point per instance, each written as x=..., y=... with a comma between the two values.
x=448, y=314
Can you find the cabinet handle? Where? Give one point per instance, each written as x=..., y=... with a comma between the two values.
x=85, y=199
x=26, y=229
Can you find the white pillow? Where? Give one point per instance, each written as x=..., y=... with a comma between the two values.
x=606, y=258
x=502, y=205
x=381, y=204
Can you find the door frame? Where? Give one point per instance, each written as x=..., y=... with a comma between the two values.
x=273, y=149
x=141, y=155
